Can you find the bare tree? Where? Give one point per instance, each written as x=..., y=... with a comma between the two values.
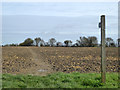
x=83, y=41
x=52, y=41
x=87, y=42
x=68, y=43
x=59, y=44
x=37, y=40
x=92, y=41
x=110, y=42
x=42, y=43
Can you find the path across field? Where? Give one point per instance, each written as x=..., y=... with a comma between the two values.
x=44, y=60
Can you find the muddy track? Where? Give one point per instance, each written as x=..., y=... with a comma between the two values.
x=42, y=68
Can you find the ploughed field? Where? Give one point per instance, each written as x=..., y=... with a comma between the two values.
x=44, y=60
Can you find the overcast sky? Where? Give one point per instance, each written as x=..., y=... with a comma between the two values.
x=63, y=20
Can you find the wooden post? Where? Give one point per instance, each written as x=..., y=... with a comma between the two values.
x=103, y=53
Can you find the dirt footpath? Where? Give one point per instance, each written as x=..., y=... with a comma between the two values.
x=42, y=67
x=24, y=60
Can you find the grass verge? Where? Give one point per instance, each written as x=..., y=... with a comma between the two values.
x=60, y=80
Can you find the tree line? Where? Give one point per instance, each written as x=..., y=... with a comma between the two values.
x=90, y=41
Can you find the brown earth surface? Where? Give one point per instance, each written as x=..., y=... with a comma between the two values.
x=45, y=60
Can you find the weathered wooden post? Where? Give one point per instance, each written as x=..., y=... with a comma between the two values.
x=103, y=53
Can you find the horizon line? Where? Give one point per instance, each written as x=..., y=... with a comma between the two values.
x=60, y=0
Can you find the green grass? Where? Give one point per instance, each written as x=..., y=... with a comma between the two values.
x=60, y=80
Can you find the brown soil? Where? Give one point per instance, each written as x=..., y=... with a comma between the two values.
x=24, y=60
x=45, y=60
